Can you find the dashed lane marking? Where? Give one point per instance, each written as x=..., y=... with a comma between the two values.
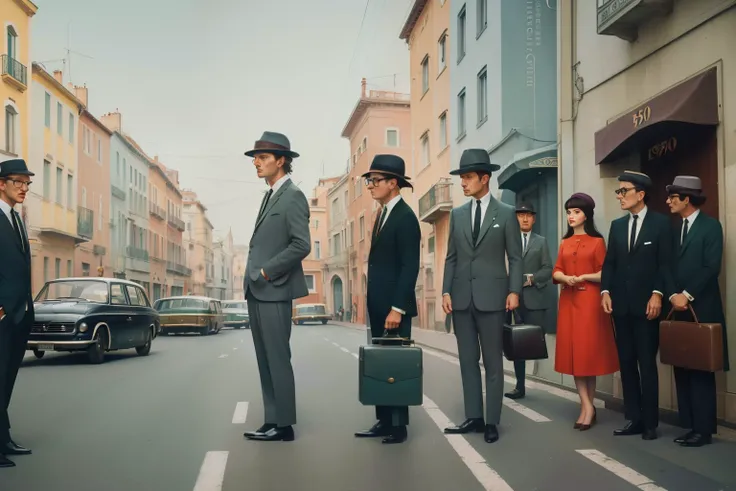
x=624, y=472
x=212, y=472
x=241, y=413
x=222, y=356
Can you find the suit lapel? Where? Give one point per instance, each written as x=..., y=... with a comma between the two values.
x=390, y=220
x=10, y=231
x=693, y=229
x=274, y=199
x=489, y=219
x=529, y=241
x=645, y=226
x=466, y=220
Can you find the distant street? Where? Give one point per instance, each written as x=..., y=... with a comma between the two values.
x=173, y=421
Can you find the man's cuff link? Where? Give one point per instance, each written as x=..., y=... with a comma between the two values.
x=398, y=310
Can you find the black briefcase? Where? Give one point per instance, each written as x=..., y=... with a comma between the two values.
x=390, y=373
x=523, y=341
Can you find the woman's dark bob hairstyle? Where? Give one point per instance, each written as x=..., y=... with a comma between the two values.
x=586, y=204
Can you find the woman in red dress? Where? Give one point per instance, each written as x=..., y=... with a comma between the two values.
x=586, y=347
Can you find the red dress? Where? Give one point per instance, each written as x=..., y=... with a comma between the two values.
x=585, y=343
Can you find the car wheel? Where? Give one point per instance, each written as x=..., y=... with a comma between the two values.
x=146, y=348
x=205, y=331
x=324, y=322
x=39, y=354
x=96, y=351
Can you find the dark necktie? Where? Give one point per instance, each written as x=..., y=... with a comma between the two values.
x=684, y=231
x=633, y=233
x=476, y=221
x=524, y=250
x=265, y=203
x=18, y=228
x=379, y=222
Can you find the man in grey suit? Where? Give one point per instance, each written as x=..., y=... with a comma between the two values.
x=478, y=291
x=537, y=269
x=273, y=278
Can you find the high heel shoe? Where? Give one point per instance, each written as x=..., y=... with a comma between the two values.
x=577, y=426
x=586, y=427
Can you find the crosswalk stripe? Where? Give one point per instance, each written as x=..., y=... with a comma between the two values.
x=212, y=472
x=241, y=413
x=624, y=472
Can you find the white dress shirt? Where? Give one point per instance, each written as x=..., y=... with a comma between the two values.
x=640, y=220
x=279, y=183
x=390, y=206
x=484, y=202
x=690, y=221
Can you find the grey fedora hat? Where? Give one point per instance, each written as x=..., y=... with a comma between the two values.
x=272, y=142
x=475, y=160
x=690, y=185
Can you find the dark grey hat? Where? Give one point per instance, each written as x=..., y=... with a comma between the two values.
x=475, y=160
x=392, y=166
x=689, y=185
x=638, y=178
x=14, y=167
x=525, y=208
x=275, y=143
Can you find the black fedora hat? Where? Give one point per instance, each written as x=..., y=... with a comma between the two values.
x=392, y=166
x=14, y=167
x=475, y=160
x=525, y=208
x=272, y=142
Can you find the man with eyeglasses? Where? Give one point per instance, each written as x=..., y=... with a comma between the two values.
x=16, y=302
x=636, y=275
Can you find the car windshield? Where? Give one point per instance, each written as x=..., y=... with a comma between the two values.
x=87, y=290
x=235, y=305
x=181, y=303
x=310, y=309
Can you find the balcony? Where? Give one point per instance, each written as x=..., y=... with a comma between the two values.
x=136, y=253
x=117, y=192
x=177, y=223
x=137, y=259
x=622, y=18
x=85, y=223
x=14, y=73
x=179, y=269
x=436, y=202
x=157, y=211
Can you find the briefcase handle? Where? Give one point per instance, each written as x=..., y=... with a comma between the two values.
x=390, y=338
x=510, y=315
x=690, y=307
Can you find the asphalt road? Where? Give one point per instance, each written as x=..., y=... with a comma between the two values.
x=173, y=421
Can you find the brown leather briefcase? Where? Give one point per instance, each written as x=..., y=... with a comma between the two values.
x=693, y=345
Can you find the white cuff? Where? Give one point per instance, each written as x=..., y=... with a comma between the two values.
x=605, y=291
x=398, y=310
x=658, y=293
x=689, y=297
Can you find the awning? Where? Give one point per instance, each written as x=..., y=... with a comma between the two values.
x=526, y=167
x=693, y=102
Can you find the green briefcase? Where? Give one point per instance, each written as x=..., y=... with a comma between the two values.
x=391, y=373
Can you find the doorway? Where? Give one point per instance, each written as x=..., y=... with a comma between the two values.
x=337, y=295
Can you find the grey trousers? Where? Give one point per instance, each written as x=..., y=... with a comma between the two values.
x=270, y=324
x=478, y=332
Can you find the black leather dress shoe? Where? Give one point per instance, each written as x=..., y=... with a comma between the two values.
x=697, y=440
x=398, y=434
x=259, y=431
x=516, y=394
x=631, y=428
x=491, y=434
x=681, y=439
x=649, y=434
x=471, y=425
x=6, y=462
x=278, y=434
x=11, y=448
x=378, y=429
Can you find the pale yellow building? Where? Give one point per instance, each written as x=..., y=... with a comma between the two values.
x=52, y=207
x=650, y=86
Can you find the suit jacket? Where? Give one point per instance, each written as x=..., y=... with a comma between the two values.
x=280, y=242
x=477, y=272
x=535, y=260
x=393, y=265
x=632, y=276
x=697, y=265
x=15, y=272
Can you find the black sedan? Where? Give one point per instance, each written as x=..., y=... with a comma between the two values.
x=95, y=315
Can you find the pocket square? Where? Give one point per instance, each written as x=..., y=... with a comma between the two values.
x=495, y=226
x=647, y=243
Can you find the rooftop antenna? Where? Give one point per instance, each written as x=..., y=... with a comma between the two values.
x=67, y=60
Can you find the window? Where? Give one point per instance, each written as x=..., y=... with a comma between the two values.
x=425, y=149
x=69, y=191
x=45, y=269
x=461, y=114
x=59, y=119
x=117, y=296
x=57, y=268
x=46, y=179
x=47, y=113
x=425, y=74
x=482, y=16
x=83, y=203
x=361, y=227
x=443, y=130
x=430, y=245
x=99, y=150
x=59, y=183
x=317, y=250
x=310, y=282
x=461, y=25
x=392, y=138
x=11, y=117
x=12, y=46
x=71, y=128
x=442, y=53
x=99, y=214
x=482, y=96
x=69, y=268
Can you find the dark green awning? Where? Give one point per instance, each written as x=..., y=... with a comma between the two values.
x=526, y=167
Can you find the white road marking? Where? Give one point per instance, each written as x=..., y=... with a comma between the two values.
x=355, y=355
x=334, y=343
x=241, y=413
x=212, y=472
x=525, y=411
x=235, y=349
x=222, y=356
x=326, y=339
x=344, y=349
x=624, y=472
x=488, y=478
x=241, y=340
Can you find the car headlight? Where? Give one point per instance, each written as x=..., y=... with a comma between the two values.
x=83, y=327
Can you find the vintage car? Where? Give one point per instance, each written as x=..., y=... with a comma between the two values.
x=95, y=315
x=236, y=313
x=189, y=314
x=310, y=312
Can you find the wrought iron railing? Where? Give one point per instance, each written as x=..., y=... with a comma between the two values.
x=85, y=222
x=14, y=69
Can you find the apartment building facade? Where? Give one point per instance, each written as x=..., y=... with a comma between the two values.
x=198, y=243
x=335, y=264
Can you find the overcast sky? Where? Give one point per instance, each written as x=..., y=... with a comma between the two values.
x=198, y=81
